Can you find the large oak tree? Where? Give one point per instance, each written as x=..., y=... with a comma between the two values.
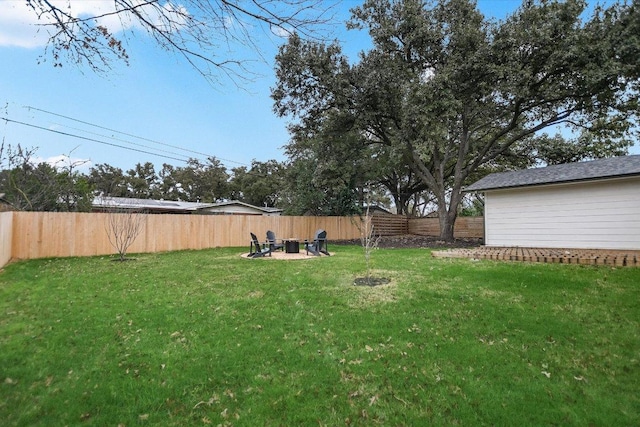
x=452, y=92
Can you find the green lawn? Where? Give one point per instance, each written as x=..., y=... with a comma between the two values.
x=209, y=338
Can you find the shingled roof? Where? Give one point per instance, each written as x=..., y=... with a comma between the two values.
x=569, y=172
x=114, y=203
x=108, y=203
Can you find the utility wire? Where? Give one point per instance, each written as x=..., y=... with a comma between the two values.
x=8, y=120
x=132, y=136
x=121, y=140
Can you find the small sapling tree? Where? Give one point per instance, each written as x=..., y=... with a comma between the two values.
x=369, y=242
x=123, y=227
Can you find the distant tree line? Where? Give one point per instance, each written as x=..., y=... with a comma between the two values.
x=301, y=186
x=32, y=186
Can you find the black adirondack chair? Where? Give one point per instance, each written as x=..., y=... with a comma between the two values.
x=273, y=242
x=318, y=245
x=257, y=249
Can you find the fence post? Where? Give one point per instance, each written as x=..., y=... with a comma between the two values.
x=6, y=237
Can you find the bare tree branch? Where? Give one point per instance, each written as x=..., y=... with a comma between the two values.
x=123, y=227
x=207, y=34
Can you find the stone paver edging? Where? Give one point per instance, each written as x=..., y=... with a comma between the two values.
x=618, y=258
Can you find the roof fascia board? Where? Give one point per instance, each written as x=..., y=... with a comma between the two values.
x=559, y=184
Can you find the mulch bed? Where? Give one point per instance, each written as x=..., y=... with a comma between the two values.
x=371, y=281
x=414, y=241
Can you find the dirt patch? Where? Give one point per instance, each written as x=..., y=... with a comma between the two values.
x=414, y=241
x=371, y=281
x=285, y=256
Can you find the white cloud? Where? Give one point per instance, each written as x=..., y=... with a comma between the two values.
x=20, y=26
x=177, y=13
x=281, y=32
x=63, y=161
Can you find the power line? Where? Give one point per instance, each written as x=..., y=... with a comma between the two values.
x=119, y=139
x=113, y=130
x=8, y=120
x=132, y=136
x=171, y=156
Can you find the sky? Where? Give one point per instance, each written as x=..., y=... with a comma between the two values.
x=157, y=109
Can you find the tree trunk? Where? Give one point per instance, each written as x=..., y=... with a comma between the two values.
x=447, y=224
x=448, y=214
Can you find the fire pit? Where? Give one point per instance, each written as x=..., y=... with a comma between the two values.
x=292, y=245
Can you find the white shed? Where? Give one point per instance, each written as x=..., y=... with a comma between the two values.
x=590, y=205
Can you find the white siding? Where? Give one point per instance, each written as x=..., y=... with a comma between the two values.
x=601, y=215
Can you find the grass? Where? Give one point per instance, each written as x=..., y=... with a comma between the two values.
x=209, y=338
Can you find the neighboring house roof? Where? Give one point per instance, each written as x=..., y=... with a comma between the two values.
x=230, y=205
x=613, y=167
x=170, y=206
x=102, y=202
x=376, y=210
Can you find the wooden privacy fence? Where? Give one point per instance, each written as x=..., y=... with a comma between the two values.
x=390, y=225
x=54, y=234
x=466, y=227
x=393, y=225
x=27, y=235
